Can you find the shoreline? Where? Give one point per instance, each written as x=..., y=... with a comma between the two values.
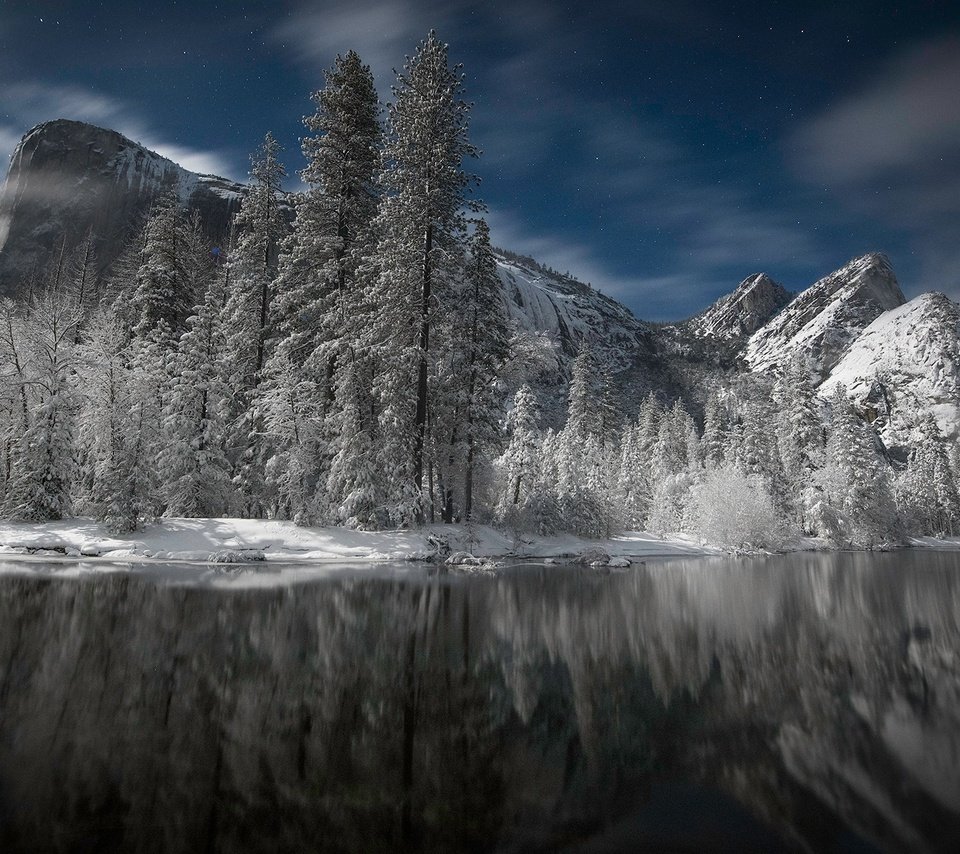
x=253, y=542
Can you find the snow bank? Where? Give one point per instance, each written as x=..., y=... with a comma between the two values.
x=213, y=540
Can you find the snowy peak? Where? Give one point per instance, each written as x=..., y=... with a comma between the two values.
x=822, y=321
x=742, y=312
x=67, y=179
x=904, y=364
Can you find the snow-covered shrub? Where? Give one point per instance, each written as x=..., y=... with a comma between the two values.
x=733, y=510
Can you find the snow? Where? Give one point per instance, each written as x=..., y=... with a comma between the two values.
x=823, y=320
x=915, y=351
x=206, y=540
x=569, y=312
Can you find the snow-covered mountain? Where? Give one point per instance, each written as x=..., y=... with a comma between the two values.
x=907, y=361
x=741, y=312
x=822, y=321
x=68, y=179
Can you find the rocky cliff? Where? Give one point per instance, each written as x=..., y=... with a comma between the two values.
x=69, y=179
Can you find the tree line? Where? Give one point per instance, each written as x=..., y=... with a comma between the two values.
x=349, y=368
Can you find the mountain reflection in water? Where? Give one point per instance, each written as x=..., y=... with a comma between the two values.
x=807, y=702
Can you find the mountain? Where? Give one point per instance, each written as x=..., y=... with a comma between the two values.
x=68, y=179
x=906, y=361
x=741, y=312
x=822, y=321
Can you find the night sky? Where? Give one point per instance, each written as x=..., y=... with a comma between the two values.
x=660, y=150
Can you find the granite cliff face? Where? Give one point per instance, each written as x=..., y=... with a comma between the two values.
x=741, y=312
x=822, y=321
x=69, y=179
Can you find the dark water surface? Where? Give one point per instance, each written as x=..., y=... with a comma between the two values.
x=808, y=702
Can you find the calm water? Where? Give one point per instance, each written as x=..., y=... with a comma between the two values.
x=798, y=703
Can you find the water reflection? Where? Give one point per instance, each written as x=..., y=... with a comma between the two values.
x=800, y=703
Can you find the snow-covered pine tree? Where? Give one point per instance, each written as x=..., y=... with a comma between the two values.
x=635, y=480
x=714, y=443
x=161, y=293
x=13, y=385
x=292, y=420
x=321, y=310
x=353, y=487
x=927, y=494
x=249, y=283
x=857, y=508
x=587, y=459
x=259, y=225
x=800, y=437
x=421, y=227
x=193, y=468
x=673, y=465
x=482, y=337
x=518, y=463
x=107, y=433
x=43, y=459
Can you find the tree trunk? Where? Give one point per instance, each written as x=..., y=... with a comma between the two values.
x=420, y=419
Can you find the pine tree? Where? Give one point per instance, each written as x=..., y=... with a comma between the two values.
x=421, y=227
x=322, y=311
x=858, y=508
x=162, y=289
x=39, y=486
x=249, y=283
x=193, y=467
x=481, y=327
x=107, y=432
x=928, y=493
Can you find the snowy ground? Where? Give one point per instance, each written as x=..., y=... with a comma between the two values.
x=274, y=541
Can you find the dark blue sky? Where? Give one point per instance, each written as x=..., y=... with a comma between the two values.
x=660, y=150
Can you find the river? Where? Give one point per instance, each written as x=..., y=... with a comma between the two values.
x=800, y=702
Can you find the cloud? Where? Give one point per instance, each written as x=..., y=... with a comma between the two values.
x=27, y=103
x=911, y=112
x=382, y=32
x=661, y=297
x=891, y=152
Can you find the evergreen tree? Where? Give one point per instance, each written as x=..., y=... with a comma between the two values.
x=162, y=288
x=482, y=324
x=39, y=486
x=193, y=468
x=421, y=228
x=107, y=431
x=927, y=494
x=322, y=312
x=249, y=283
x=857, y=508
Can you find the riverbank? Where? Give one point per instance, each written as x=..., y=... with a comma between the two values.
x=243, y=540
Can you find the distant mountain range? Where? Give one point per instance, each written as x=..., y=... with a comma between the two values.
x=68, y=180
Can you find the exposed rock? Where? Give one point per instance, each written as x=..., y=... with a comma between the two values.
x=69, y=179
x=822, y=321
x=741, y=312
x=905, y=363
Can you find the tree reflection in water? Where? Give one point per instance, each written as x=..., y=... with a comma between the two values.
x=807, y=702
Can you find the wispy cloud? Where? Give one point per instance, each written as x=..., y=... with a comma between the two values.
x=381, y=32
x=909, y=113
x=28, y=103
x=887, y=151
x=660, y=297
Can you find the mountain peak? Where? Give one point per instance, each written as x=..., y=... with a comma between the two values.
x=743, y=311
x=824, y=319
x=68, y=179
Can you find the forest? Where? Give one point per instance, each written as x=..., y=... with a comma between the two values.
x=349, y=362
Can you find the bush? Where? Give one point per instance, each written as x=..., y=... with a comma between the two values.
x=733, y=510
